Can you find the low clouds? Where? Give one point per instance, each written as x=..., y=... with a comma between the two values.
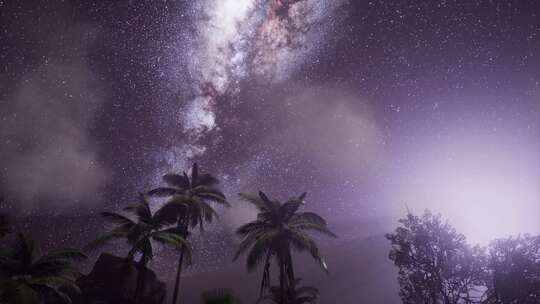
x=334, y=129
x=48, y=153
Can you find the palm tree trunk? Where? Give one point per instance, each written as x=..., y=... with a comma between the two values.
x=178, y=275
x=281, y=282
x=183, y=229
x=140, y=275
x=290, y=276
x=266, y=273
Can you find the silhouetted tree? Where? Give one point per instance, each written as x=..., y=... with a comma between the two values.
x=5, y=225
x=514, y=268
x=188, y=205
x=279, y=228
x=435, y=263
x=139, y=234
x=219, y=296
x=298, y=294
x=28, y=278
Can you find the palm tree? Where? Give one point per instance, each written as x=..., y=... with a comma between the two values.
x=278, y=229
x=188, y=205
x=139, y=234
x=26, y=277
x=299, y=294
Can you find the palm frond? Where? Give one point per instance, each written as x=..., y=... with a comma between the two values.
x=142, y=209
x=138, y=232
x=208, y=180
x=119, y=232
x=207, y=212
x=246, y=243
x=165, y=191
x=254, y=200
x=288, y=209
x=309, y=217
x=251, y=228
x=116, y=218
x=257, y=252
x=312, y=227
x=207, y=189
x=263, y=205
x=177, y=181
x=63, y=254
x=56, y=282
x=170, y=238
x=175, y=240
x=144, y=247
x=173, y=209
x=214, y=198
x=303, y=242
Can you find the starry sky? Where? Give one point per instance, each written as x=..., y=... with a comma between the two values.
x=372, y=107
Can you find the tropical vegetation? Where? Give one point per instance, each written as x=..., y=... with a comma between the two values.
x=436, y=264
x=278, y=230
x=189, y=205
x=299, y=294
x=29, y=278
x=140, y=233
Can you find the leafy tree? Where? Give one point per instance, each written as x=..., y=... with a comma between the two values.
x=435, y=263
x=298, y=295
x=514, y=268
x=189, y=205
x=279, y=228
x=27, y=278
x=139, y=234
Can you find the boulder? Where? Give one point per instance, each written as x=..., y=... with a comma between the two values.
x=113, y=281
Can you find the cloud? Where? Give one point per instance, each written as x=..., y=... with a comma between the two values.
x=318, y=139
x=333, y=128
x=48, y=153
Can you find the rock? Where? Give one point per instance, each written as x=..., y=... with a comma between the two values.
x=113, y=281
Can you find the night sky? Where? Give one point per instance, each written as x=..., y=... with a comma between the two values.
x=372, y=107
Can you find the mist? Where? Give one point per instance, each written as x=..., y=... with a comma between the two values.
x=48, y=152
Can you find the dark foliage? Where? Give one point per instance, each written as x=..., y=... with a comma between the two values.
x=189, y=205
x=278, y=230
x=437, y=266
x=219, y=296
x=298, y=294
x=435, y=263
x=514, y=268
x=140, y=234
x=5, y=225
x=27, y=278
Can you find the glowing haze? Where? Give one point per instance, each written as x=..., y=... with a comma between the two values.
x=484, y=180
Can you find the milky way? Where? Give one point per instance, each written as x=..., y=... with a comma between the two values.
x=235, y=40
